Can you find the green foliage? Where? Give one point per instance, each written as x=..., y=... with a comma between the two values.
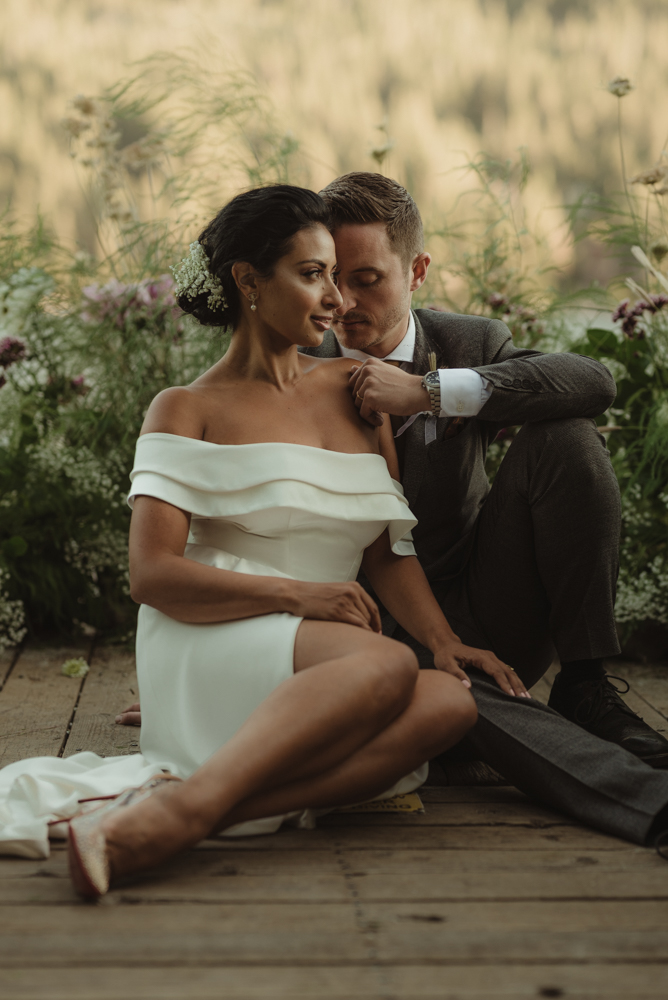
x=71, y=411
x=636, y=352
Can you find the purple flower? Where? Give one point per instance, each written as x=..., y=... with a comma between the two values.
x=497, y=301
x=151, y=299
x=620, y=311
x=79, y=386
x=629, y=326
x=11, y=350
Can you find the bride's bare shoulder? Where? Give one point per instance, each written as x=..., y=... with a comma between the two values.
x=175, y=411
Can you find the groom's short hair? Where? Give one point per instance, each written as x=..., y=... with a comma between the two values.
x=361, y=197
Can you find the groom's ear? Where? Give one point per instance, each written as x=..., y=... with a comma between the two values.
x=245, y=276
x=419, y=269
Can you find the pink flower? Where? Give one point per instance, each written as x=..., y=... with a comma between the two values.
x=150, y=299
x=79, y=386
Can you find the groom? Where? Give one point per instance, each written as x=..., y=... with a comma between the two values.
x=527, y=566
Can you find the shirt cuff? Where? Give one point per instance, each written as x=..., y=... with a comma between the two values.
x=463, y=392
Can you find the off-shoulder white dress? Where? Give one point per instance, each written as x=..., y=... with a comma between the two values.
x=269, y=509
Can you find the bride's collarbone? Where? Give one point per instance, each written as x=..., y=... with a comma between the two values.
x=262, y=428
x=328, y=421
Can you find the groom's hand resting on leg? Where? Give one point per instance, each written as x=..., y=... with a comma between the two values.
x=452, y=655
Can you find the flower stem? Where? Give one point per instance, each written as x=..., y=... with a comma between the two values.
x=621, y=157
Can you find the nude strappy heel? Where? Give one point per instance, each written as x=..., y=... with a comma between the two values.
x=87, y=848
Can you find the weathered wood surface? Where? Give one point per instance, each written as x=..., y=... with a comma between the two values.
x=485, y=895
x=37, y=703
x=110, y=686
x=334, y=982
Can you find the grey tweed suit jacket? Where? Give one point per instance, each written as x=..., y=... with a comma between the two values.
x=445, y=481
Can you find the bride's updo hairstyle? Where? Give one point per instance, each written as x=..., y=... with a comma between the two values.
x=256, y=227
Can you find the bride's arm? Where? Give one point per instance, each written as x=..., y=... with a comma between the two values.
x=401, y=585
x=388, y=449
x=161, y=576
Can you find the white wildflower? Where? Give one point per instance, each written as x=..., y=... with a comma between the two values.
x=75, y=668
x=640, y=595
x=19, y=296
x=12, y=617
x=193, y=277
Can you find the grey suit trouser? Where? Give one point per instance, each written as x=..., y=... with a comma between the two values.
x=541, y=577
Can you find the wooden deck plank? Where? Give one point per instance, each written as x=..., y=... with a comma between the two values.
x=7, y=659
x=464, y=838
x=309, y=934
x=110, y=686
x=394, y=886
x=640, y=982
x=486, y=895
x=391, y=875
x=36, y=704
x=199, y=864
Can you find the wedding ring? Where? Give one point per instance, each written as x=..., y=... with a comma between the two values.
x=357, y=396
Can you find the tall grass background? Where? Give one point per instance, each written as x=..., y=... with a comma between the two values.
x=448, y=77
x=497, y=117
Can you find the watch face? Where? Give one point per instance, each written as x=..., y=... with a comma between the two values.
x=432, y=378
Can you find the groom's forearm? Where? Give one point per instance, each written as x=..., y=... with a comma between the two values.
x=403, y=588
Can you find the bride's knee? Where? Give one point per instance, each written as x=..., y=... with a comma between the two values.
x=448, y=712
x=392, y=673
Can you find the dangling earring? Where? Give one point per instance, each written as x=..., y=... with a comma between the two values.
x=252, y=298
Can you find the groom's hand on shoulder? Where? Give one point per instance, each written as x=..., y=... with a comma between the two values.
x=380, y=388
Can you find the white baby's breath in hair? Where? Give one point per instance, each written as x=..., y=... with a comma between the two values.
x=193, y=277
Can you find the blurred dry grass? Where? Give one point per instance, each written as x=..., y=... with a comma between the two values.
x=450, y=77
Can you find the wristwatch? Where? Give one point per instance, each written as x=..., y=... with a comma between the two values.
x=432, y=383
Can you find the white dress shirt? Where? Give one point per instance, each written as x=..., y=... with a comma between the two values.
x=463, y=391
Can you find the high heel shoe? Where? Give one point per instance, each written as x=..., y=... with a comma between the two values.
x=89, y=866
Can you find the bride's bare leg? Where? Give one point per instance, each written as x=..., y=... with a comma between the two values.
x=342, y=729
x=440, y=713
x=327, y=711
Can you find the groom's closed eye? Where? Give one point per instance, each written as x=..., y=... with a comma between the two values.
x=367, y=278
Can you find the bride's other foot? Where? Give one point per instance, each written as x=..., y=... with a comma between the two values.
x=115, y=839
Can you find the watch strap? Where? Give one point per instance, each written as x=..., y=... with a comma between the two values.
x=432, y=383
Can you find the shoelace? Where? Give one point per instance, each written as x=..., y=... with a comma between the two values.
x=605, y=695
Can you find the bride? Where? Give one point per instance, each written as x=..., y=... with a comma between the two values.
x=266, y=684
